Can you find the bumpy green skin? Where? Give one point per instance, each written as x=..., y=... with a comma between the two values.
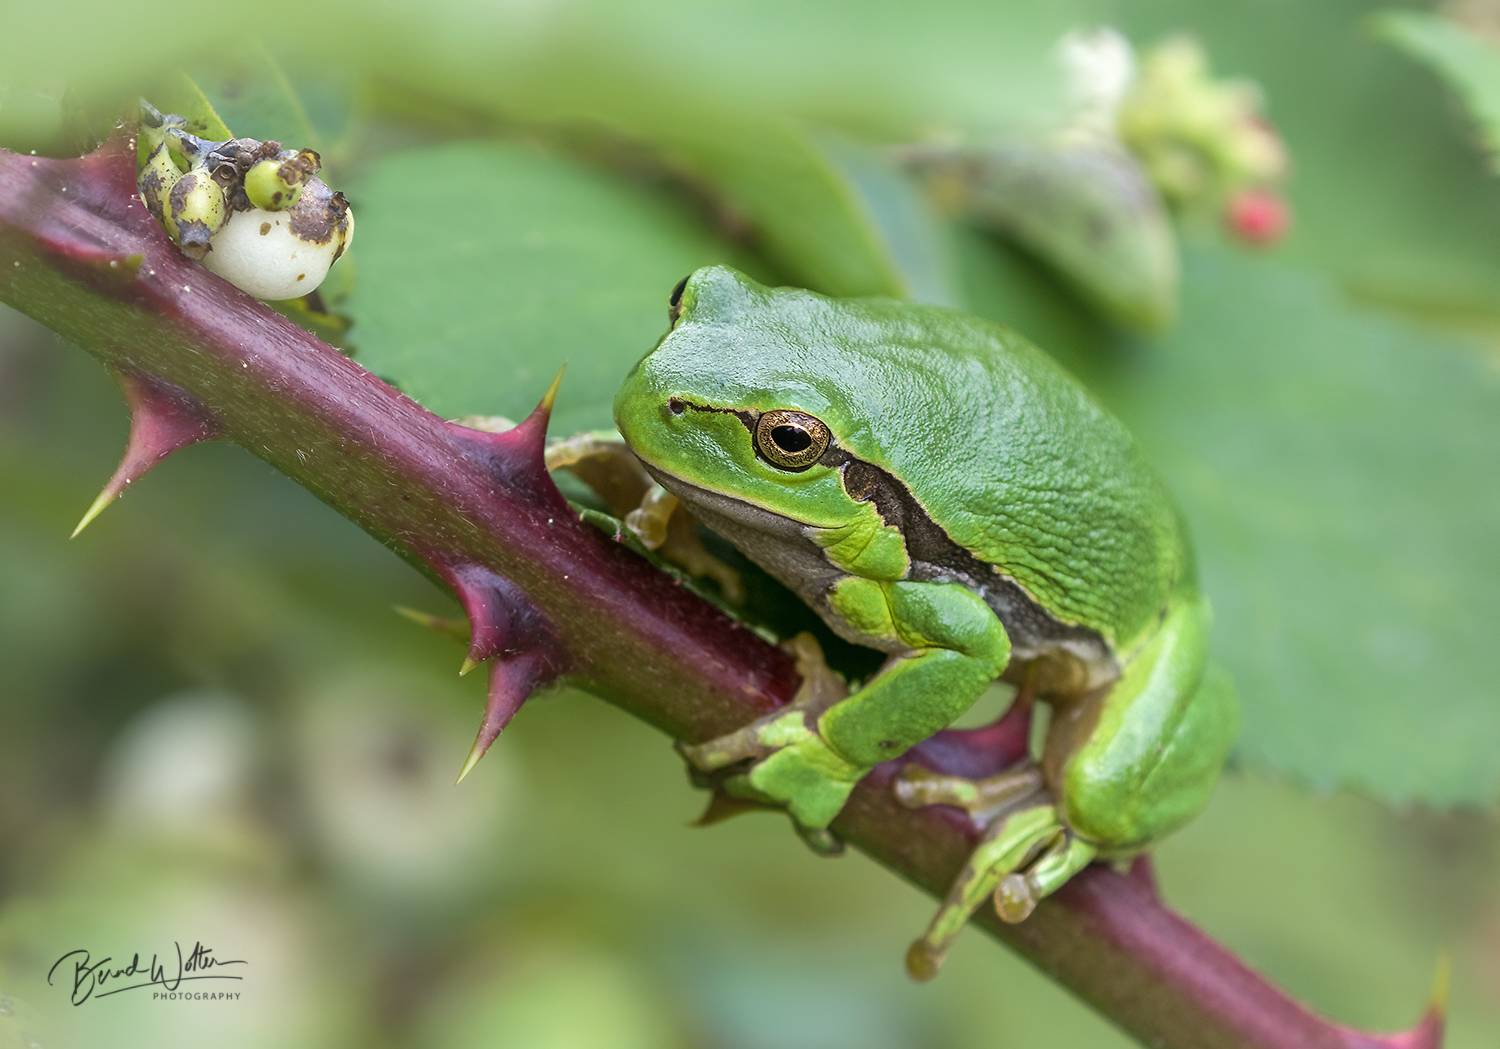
x=1016, y=465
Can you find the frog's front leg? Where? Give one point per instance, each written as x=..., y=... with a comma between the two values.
x=950, y=647
x=1122, y=767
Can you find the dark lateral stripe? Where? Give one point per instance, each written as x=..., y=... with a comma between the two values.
x=934, y=555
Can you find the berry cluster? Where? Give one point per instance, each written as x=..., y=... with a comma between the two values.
x=252, y=212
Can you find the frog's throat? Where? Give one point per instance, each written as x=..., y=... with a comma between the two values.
x=781, y=546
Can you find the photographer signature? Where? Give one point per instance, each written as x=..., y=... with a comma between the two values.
x=90, y=978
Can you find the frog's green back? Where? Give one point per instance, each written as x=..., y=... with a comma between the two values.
x=1004, y=450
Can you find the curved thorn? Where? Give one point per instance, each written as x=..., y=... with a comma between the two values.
x=1441, y=978
x=163, y=419
x=1429, y=1031
x=511, y=681
x=107, y=496
x=722, y=806
x=468, y=665
x=517, y=456
x=545, y=405
x=475, y=753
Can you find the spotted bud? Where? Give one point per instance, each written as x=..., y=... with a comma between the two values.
x=276, y=184
x=157, y=176
x=195, y=212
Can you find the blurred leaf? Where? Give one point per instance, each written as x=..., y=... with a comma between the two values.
x=249, y=90
x=1088, y=210
x=1388, y=193
x=1470, y=65
x=906, y=229
x=181, y=95
x=1007, y=284
x=808, y=215
x=820, y=209
x=486, y=267
x=562, y=996
x=31, y=119
x=829, y=214
x=1342, y=476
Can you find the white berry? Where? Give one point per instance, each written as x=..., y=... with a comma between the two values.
x=283, y=254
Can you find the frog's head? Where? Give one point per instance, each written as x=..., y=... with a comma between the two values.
x=735, y=400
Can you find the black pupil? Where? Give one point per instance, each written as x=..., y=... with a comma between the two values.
x=791, y=439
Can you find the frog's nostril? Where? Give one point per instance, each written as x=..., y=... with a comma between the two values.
x=676, y=406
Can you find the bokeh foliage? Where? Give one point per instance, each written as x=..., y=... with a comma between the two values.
x=530, y=181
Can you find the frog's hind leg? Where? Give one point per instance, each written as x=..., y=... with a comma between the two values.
x=983, y=799
x=1009, y=844
x=1018, y=892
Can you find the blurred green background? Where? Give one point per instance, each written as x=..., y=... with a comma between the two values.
x=212, y=727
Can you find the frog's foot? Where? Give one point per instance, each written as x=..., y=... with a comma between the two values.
x=983, y=799
x=732, y=793
x=662, y=524
x=821, y=688
x=792, y=765
x=683, y=547
x=1022, y=857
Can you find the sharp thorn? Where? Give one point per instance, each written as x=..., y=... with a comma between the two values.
x=492, y=605
x=722, y=806
x=463, y=671
x=1441, y=978
x=458, y=628
x=511, y=681
x=106, y=497
x=551, y=395
x=475, y=753
x=426, y=619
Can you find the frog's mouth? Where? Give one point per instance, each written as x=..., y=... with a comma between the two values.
x=726, y=514
x=777, y=543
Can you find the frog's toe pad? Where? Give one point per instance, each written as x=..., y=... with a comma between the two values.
x=923, y=961
x=1015, y=898
x=820, y=839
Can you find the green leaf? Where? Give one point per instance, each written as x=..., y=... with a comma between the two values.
x=251, y=92
x=825, y=212
x=1087, y=209
x=485, y=267
x=1342, y=476
x=809, y=219
x=1470, y=65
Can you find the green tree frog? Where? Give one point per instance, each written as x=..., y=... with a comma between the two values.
x=937, y=488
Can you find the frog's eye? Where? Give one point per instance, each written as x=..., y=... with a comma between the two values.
x=790, y=440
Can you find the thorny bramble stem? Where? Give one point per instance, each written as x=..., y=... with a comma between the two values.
x=551, y=598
